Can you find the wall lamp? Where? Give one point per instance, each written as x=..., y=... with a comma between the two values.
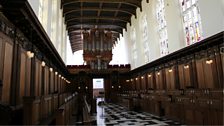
x=42, y=63
x=209, y=61
x=30, y=54
x=170, y=70
x=186, y=66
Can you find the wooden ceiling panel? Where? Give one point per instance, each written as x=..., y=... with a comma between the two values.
x=111, y=15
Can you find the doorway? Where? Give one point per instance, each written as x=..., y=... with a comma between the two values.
x=98, y=89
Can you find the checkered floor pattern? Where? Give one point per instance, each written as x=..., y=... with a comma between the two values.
x=111, y=114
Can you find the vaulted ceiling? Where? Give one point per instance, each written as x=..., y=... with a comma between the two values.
x=112, y=15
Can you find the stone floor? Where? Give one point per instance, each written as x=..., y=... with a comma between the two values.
x=111, y=114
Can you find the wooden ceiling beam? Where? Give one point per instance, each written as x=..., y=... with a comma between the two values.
x=122, y=19
x=77, y=46
x=67, y=11
x=92, y=24
x=75, y=39
x=99, y=11
x=135, y=3
x=76, y=42
x=118, y=30
x=115, y=14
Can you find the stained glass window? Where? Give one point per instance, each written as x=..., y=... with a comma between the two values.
x=134, y=48
x=162, y=27
x=191, y=20
x=145, y=41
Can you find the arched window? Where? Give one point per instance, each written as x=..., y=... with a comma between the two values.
x=134, y=48
x=145, y=39
x=191, y=21
x=162, y=27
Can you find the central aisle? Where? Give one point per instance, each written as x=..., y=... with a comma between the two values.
x=111, y=114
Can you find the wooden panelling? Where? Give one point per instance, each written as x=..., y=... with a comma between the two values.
x=200, y=74
x=36, y=113
x=132, y=84
x=55, y=83
x=150, y=83
x=1, y=58
x=22, y=81
x=219, y=59
x=159, y=80
x=38, y=77
x=143, y=82
x=221, y=66
x=211, y=77
x=184, y=75
x=170, y=78
x=59, y=84
x=52, y=82
x=28, y=76
x=137, y=83
x=46, y=80
x=222, y=60
x=1, y=64
x=206, y=73
x=7, y=72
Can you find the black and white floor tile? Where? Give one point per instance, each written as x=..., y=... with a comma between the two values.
x=111, y=114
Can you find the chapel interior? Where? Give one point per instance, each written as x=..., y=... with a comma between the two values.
x=111, y=62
